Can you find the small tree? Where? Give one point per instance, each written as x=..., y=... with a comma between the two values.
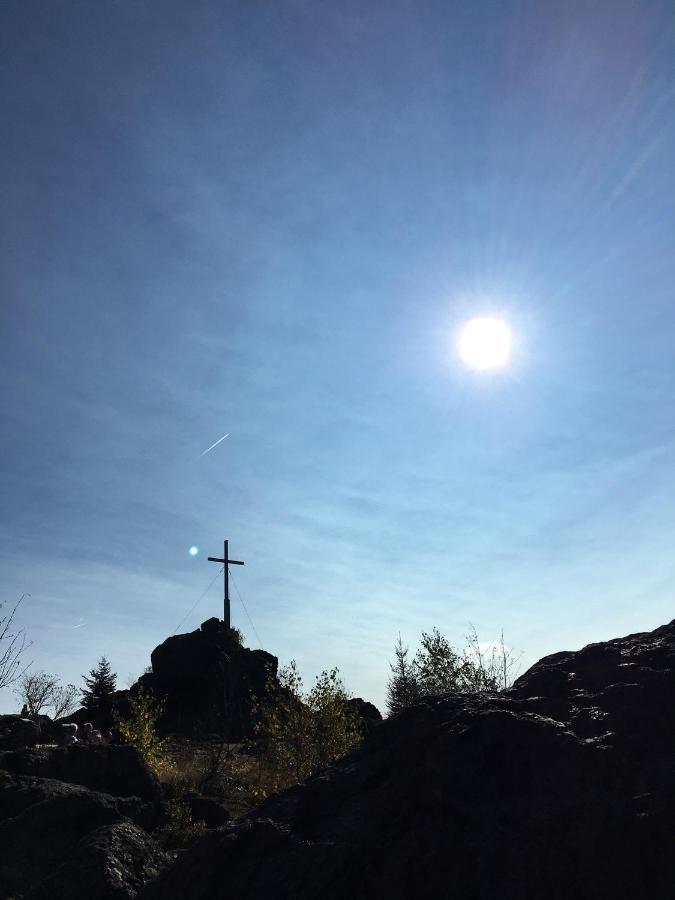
x=12, y=646
x=439, y=668
x=493, y=668
x=35, y=691
x=403, y=687
x=97, y=698
x=335, y=724
x=139, y=729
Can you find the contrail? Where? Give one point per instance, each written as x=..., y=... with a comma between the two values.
x=215, y=445
x=81, y=625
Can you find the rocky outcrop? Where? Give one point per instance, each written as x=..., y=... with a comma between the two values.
x=17, y=733
x=208, y=682
x=46, y=827
x=114, y=769
x=367, y=714
x=562, y=787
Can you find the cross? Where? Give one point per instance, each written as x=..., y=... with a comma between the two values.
x=226, y=561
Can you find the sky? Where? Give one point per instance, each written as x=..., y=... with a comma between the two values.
x=271, y=219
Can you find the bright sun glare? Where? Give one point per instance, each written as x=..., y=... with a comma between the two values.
x=485, y=343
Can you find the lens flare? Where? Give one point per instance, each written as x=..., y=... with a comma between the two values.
x=193, y=551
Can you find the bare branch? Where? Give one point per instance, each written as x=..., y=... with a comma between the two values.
x=12, y=645
x=64, y=699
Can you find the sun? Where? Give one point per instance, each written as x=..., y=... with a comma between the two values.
x=485, y=343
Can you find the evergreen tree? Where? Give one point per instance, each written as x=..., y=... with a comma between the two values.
x=403, y=687
x=101, y=684
x=439, y=668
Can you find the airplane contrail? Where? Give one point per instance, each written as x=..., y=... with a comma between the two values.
x=215, y=445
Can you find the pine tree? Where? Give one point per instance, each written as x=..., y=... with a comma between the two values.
x=403, y=688
x=440, y=669
x=101, y=684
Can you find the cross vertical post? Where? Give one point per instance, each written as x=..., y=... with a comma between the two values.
x=226, y=586
x=227, y=562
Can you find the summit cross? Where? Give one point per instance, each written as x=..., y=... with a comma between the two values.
x=226, y=561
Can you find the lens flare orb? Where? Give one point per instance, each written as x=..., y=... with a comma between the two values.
x=193, y=551
x=485, y=343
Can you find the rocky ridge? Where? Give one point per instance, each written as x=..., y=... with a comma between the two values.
x=562, y=786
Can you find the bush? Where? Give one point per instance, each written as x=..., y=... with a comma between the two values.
x=139, y=730
x=180, y=830
x=303, y=732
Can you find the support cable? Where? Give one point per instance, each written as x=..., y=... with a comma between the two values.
x=199, y=599
x=245, y=610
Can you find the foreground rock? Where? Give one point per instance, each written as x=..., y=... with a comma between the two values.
x=49, y=828
x=114, y=769
x=112, y=863
x=562, y=787
x=17, y=733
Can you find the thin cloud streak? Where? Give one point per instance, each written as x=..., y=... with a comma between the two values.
x=214, y=445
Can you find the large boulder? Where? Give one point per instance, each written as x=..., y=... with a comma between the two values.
x=115, y=769
x=17, y=733
x=20, y=792
x=207, y=810
x=367, y=714
x=562, y=787
x=43, y=821
x=208, y=682
x=111, y=863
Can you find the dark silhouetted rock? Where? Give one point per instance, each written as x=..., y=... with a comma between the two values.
x=17, y=733
x=562, y=787
x=208, y=682
x=47, y=819
x=118, y=770
x=47, y=824
x=367, y=713
x=111, y=863
x=206, y=810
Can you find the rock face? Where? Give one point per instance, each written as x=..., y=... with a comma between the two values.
x=208, y=681
x=562, y=787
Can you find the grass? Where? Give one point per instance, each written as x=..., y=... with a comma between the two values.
x=229, y=773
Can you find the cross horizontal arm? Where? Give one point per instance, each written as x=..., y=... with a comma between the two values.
x=231, y=562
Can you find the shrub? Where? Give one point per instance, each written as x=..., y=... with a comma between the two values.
x=303, y=732
x=139, y=730
x=180, y=830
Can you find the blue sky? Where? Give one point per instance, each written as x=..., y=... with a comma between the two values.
x=271, y=219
